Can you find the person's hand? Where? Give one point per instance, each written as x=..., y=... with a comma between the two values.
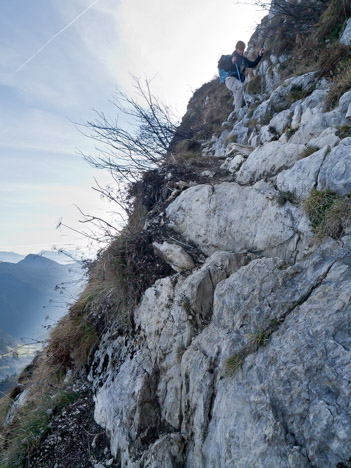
x=261, y=52
x=233, y=59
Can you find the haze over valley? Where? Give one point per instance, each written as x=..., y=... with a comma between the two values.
x=35, y=292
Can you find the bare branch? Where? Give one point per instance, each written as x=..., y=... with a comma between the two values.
x=294, y=16
x=127, y=151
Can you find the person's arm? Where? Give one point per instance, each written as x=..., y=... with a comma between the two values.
x=253, y=64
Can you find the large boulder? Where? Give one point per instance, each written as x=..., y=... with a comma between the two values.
x=230, y=217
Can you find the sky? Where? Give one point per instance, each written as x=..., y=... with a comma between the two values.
x=60, y=60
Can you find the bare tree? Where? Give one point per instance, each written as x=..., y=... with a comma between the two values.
x=140, y=142
x=137, y=140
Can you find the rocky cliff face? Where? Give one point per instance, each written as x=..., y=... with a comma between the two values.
x=244, y=360
x=241, y=356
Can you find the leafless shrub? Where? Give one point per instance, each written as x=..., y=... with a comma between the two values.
x=294, y=16
x=137, y=139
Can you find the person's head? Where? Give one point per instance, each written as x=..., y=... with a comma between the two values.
x=240, y=47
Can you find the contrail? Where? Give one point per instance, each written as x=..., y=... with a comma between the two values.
x=53, y=38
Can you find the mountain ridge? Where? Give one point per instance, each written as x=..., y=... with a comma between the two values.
x=214, y=330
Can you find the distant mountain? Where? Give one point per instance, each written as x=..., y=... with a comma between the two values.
x=62, y=256
x=33, y=289
x=11, y=257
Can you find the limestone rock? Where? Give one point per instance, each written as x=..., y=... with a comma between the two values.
x=266, y=135
x=303, y=176
x=335, y=173
x=233, y=164
x=207, y=173
x=280, y=99
x=338, y=116
x=19, y=401
x=297, y=116
x=293, y=406
x=245, y=361
x=125, y=378
x=175, y=255
x=243, y=150
x=230, y=217
x=326, y=138
x=346, y=36
x=166, y=452
x=268, y=160
x=312, y=121
x=281, y=121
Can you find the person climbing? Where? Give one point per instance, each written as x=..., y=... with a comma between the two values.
x=235, y=66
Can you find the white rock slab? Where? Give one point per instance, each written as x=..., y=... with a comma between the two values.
x=280, y=385
x=297, y=116
x=281, y=121
x=335, y=173
x=312, y=124
x=235, y=218
x=326, y=138
x=268, y=160
x=303, y=176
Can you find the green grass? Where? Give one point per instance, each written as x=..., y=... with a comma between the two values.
x=340, y=78
x=186, y=304
x=308, y=151
x=233, y=363
x=261, y=338
x=284, y=197
x=344, y=131
x=232, y=139
x=296, y=93
x=180, y=351
x=329, y=213
x=290, y=131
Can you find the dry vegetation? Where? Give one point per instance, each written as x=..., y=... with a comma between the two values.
x=116, y=281
x=315, y=48
x=47, y=394
x=329, y=213
x=127, y=267
x=209, y=106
